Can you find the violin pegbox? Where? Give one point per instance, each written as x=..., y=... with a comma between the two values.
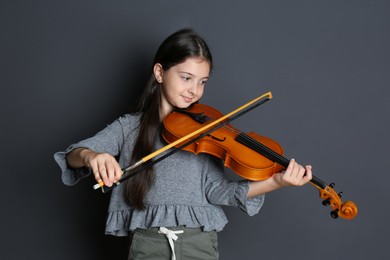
x=347, y=210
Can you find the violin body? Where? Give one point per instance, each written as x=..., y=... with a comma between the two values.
x=222, y=143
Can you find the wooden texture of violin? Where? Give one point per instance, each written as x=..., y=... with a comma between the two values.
x=250, y=156
x=243, y=160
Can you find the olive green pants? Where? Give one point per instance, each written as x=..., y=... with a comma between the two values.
x=192, y=244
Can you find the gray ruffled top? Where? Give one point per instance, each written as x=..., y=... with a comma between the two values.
x=188, y=190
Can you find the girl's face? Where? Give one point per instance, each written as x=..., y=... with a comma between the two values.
x=182, y=84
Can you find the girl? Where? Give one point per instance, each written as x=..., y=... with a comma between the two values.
x=171, y=209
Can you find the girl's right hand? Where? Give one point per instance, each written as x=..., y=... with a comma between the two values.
x=103, y=165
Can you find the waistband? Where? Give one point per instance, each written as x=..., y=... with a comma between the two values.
x=171, y=233
x=154, y=231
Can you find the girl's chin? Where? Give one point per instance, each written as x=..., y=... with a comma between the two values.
x=184, y=105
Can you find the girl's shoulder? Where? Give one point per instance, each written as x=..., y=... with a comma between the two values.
x=129, y=122
x=130, y=119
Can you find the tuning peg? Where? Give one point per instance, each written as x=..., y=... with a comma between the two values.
x=332, y=185
x=326, y=202
x=335, y=213
x=340, y=194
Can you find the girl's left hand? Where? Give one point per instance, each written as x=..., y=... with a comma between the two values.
x=294, y=175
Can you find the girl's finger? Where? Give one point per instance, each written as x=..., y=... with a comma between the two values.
x=290, y=167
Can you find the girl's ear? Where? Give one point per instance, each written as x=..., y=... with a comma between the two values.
x=158, y=72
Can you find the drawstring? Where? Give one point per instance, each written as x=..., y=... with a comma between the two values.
x=171, y=236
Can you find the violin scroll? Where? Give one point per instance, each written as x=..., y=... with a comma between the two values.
x=346, y=210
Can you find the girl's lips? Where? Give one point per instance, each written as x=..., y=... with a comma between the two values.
x=187, y=99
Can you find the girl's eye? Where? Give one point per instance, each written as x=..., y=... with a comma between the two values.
x=185, y=78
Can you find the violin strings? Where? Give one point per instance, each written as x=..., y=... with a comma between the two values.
x=250, y=140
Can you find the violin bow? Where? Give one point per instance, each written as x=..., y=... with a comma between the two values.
x=146, y=161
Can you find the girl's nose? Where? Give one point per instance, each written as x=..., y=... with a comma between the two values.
x=193, y=90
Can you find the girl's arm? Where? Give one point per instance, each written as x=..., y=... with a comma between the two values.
x=75, y=158
x=295, y=175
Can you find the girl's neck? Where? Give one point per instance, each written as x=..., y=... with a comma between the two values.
x=164, y=111
x=165, y=108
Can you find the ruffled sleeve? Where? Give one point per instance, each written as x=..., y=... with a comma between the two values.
x=221, y=191
x=109, y=140
x=70, y=176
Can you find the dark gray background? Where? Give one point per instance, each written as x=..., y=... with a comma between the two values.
x=68, y=68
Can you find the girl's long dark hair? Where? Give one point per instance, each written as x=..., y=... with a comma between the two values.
x=175, y=49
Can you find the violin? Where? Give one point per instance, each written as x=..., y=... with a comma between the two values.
x=249, y=155
x=203, y=129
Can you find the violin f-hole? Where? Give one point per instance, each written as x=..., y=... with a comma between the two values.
x=218, y=139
